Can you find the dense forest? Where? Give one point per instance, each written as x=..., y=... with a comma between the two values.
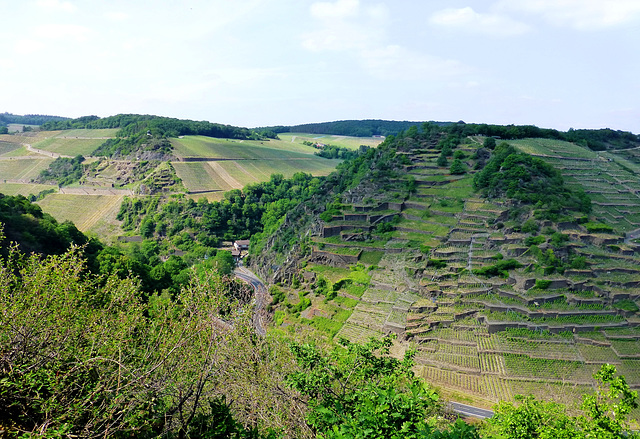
x=357, y=128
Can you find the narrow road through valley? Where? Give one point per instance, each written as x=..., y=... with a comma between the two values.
x=260, y=297
x=469, y=410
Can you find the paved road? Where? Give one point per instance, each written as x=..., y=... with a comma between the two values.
x=260, y=296
x=468, y=410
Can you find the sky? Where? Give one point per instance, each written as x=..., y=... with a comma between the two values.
x=551, y=63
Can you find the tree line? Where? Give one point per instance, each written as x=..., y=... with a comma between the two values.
x=597, y=139
x=28, y=119
x=157, y=126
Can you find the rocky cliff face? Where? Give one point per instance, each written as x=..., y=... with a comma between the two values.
x=280, y=257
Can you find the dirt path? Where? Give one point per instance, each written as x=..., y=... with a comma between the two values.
x=53, y=155
x=235, y=184
x=95, y=191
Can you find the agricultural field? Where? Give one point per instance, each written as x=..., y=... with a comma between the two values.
x=233, y=164
x=105, y=133
x=342, y=141
x=24, y=169
x=23, y=189
x=209, y=147
x=67, y=146
x=90, y=213
x=607, y=177
x=7, y=147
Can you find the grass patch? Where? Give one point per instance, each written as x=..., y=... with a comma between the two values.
x=346, y=302
x=371, y=257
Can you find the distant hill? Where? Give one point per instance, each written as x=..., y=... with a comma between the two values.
x=356, y=128
x=597, y=140
x=28, y=119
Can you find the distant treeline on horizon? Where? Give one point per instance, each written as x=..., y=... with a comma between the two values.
x=599, y=139
x=595, y=139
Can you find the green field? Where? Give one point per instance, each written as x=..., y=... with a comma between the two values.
x=22, y=169
x=23, y=189
x=327, y=139
x=553, y=147
x=253, y=162
x=196, y=176
x=89, y=134
x=209, y=147
x=7, y=147
x=94, y=213
x=69, y=146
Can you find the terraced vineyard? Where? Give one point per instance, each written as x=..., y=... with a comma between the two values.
x=492, y=336
x=608, y=178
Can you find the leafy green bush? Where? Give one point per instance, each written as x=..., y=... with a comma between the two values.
x=534, y=240
x=542, y=284
x=500, y=268
x=598, y=228
x=457, y=167
x=436, y=263
x=530, y=226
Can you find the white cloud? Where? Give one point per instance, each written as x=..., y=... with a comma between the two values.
x=468, y=20
x=361, y=32
x=6, y=64
x=117, y=16
x=56, y=5
x=339, y=37
x=27, y=46
x=345, y=25
x=338, y=10
x=578, y=14
x=75, y=32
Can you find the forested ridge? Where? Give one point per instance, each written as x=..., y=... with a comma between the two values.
x=595, y=139
x=28, y=119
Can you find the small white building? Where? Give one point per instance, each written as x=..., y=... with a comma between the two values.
x=241, y=244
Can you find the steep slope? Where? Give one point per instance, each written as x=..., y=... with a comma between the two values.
x=523, y=292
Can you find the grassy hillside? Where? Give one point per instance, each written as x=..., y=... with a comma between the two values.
x=610, y=179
